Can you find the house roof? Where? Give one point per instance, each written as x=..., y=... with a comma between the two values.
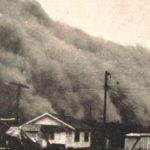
x=51, y=116
x=138, y=135
x=14, y=132
x=65, y=120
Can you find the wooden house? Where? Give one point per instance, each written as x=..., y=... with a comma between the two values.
x=137, y=141
x=57, y=130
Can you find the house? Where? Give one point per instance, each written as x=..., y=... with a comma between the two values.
x=50, y=129
x=137, y=141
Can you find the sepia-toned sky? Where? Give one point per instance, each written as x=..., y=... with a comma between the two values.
x=123, y=21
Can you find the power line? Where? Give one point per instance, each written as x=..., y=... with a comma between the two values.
x=134, y=88
x=110, y=87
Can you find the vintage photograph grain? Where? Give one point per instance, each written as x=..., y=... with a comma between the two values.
x=74, y=75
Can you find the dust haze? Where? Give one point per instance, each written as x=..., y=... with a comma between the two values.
x=64, y=68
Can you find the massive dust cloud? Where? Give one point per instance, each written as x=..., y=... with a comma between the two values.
x=64, y=68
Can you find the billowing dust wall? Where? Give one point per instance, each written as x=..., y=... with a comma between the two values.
x=64, y=68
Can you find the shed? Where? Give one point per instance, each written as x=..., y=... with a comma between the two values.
x=137, y=141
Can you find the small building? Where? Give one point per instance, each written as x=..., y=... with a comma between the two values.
x=50, y=129
x=137, y=141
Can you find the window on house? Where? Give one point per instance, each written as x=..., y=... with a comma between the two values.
x=86, y=136
x=77, y=136
x=51, y=136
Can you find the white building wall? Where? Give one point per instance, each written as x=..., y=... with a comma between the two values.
x=82, y=143
x=59, y=138
x=70, y=139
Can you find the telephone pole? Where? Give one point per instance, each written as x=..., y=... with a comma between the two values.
x=19, y=88
x=107, y=74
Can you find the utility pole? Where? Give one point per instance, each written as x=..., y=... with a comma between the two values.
x=19, y=87
x=107, y=74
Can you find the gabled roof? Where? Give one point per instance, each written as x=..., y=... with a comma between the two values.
x=51, y=116
x=67, y=121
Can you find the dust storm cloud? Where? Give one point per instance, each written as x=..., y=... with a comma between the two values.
x=64, y=68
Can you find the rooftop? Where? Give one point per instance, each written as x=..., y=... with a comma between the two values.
x=68, y=121
x=138, y=135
